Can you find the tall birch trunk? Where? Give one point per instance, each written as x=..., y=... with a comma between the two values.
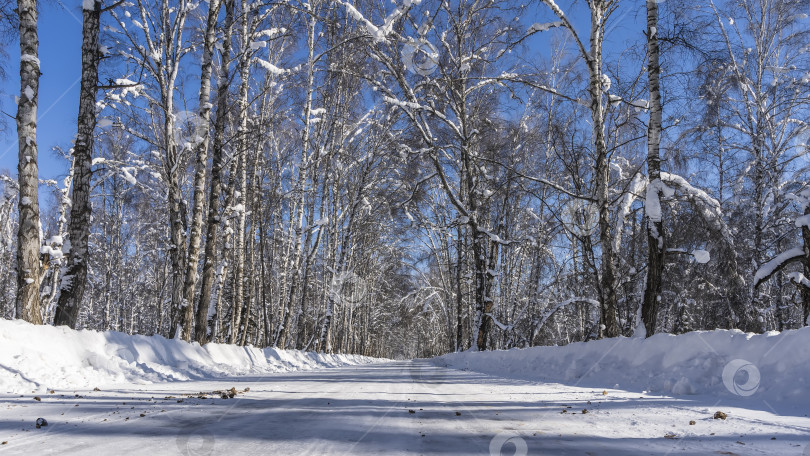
x=177, y=230
x=596, y=80
x=75, y=278
x=655, y=227
x=806, y=270
x=28, y=233
x=195, y=237
x=177, y=213
x=241, y=175
x=206, y=310
x=297, y=222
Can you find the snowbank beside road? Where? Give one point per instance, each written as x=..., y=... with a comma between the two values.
x=47, y=357
x=771, y=367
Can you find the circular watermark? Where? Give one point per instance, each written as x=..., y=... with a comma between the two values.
x=741, y=377
x=420, y=56
x=580, y=217
x=348, y=288
x=508, y=443
x=195, y=441
x=189, y=129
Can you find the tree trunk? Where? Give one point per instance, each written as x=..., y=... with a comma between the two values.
x=28, y=241
x=608, y=266
x=195, y=237
x=806, y=270
x=483, y=304
x=459, y=296
x=489, y=304
x=75, y=278
x=205, y=310
x=241, y=178
x=655, y=227
x=177, y=230
x=55, y=266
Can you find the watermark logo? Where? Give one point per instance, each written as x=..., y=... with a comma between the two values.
x=580, y=217
x=420, y=56
x=741, y=377
x=806, y=451
x=195, y=441
x=189, y=129
x=347, y=288
x=508, y=443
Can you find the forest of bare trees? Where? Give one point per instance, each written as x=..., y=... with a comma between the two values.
x=414, y=177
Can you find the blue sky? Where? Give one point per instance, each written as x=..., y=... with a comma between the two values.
x=60, y=54
x=60, y=40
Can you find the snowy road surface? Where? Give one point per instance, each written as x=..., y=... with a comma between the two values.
x=391, y=408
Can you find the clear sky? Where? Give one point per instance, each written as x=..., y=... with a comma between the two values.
x=60, y=56
x=60, y=41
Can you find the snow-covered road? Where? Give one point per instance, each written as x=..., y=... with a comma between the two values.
x=391, y=408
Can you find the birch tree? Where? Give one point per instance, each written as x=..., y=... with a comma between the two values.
x=598, y=84
x=201, y=166
x=656, y=245
x=208, y=309
x=28, y=231
x=757, y=73
x=74, y=280
x=155, y=36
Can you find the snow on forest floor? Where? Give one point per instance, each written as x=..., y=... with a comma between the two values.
x=421, y=407
x=771, y=368
x=46, y=357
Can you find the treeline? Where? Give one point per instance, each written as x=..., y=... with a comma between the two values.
x=411, y=178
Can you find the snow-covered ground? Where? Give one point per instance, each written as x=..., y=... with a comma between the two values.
x=41, y=358
x=764, y=368
x=614, y=397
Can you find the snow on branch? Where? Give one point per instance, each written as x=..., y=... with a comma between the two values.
x=653, y=202
x=272, y=69
x=535, y=28
x=799, y=279
x=778, y=263
x=708, y=207
x=379, y=34
x=552, y=5
x=711, y=212
x=625, y=203
x=559, y=306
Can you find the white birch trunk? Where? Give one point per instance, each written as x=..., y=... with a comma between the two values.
x=28, y=233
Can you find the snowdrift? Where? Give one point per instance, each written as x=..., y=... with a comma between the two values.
x=772, y=366
x=46, y=357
